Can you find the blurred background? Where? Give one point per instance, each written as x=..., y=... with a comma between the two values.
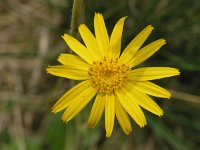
x=30, y=40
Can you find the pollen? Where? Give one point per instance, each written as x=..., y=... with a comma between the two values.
x=108, y=75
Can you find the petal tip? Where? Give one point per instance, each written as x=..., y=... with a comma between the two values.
x=108, y=135
x=160, y=115
x=163, y=41
x=90, y=124
x=123, y=18
x=127, y=132
x=65, y=35
x=48, y=69
x=150, y=27
x=143, y=124
x=178, y=72
x=81, y=26
x=53, y=111
x=168, y=96
x=97, y=14
x=63, y=120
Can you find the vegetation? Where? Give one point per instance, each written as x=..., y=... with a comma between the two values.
x=31, y=40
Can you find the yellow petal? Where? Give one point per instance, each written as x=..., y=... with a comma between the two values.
x=70, y=72
x=78, y=48
x=131, y=107
x=101, y=34
x=132, y=48
x=143, y=100
x=146, y=52
x=115, y=40
x=151, y=89
x=77, y=104
x=72, y=60
x=73, y=93
x=123, y=118
x=109, y=113
x=90, y=41
x=97, y=110
x=152, y=73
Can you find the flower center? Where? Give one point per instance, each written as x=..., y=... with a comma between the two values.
x=108, y=75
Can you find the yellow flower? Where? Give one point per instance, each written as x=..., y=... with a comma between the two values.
x=109, y=76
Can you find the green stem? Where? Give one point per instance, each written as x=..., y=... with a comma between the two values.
x=76, y=16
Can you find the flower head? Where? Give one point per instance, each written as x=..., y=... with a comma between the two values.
x=109, y=76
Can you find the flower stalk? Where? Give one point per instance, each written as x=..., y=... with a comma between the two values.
x=77, y=16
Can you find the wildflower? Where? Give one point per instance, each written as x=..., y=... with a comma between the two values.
x=110, y=76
